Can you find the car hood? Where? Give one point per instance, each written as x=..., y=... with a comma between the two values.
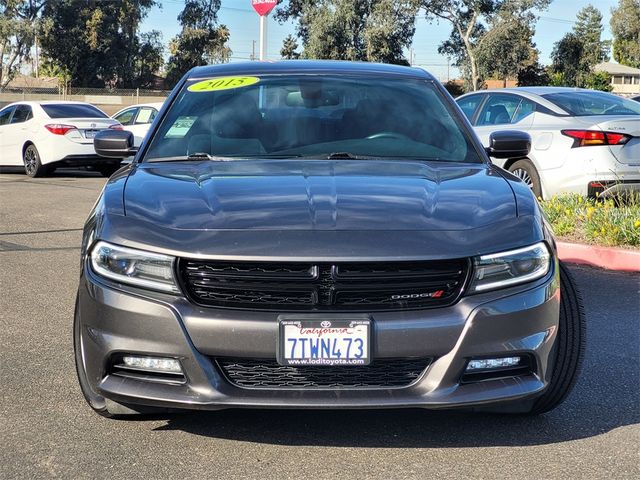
x=317, y=195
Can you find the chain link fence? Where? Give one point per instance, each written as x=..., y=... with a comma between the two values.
x=108, y=100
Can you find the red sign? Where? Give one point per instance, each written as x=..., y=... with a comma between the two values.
x=263, y=7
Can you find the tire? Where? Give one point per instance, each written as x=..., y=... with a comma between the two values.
x=32, y=165
x=103, y=406
x=107, y=170
x=526, y=171
x=570, y=346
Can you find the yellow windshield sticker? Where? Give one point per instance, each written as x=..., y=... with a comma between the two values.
x=222, y=83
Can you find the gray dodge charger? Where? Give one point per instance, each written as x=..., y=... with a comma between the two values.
x=320, y=235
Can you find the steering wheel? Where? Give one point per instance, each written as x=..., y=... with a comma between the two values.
x=397, y=136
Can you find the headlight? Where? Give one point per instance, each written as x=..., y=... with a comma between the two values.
x=500, y=270
x=134, y=267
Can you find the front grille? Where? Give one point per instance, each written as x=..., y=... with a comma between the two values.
x=265, y=373
x=345, y=286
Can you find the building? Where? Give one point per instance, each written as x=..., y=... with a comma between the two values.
x=28, y=82
x=492, y=83
x=624, y=80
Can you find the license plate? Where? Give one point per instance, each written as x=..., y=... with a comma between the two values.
x=90, y=133
x=324, y=342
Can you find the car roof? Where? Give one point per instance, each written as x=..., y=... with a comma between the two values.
x=49, y=102
x=307, y=67
x=156, y=105
x=546, y=90
x=535, y=94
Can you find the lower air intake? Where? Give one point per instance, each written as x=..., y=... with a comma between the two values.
x=268, y=374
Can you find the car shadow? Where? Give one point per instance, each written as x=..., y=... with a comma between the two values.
x=583, y=415
x=58, y=173
x=605, y=397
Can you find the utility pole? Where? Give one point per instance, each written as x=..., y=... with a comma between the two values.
x=411, y=58
x=253, y=50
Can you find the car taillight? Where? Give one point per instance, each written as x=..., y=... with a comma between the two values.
x=585, y=138
x=59, y=128
x=117, y=126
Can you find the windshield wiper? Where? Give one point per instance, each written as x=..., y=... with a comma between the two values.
x=193, y=157
x=343, y=156
x=207, y=156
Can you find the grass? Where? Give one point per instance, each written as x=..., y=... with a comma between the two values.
x=595, y=221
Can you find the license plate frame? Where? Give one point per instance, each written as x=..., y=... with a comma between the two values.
x=333, y=332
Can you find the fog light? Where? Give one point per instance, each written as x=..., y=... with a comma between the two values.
x=169, y=365
x=492, y=363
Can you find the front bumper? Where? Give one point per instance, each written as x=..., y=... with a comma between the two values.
x=111, y=321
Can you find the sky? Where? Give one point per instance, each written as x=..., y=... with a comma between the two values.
x=243, y=23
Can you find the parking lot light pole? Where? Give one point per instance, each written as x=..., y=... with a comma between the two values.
x=263, y=8
x=263, y=37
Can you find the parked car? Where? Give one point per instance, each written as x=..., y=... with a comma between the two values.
x=583, y=141
x=42, y=136
x=320, y=235
x=636, y=98
x=137, y=119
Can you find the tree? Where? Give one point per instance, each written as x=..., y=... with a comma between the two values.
x=476, y=22
x=588, y=28
x=566, y=59
x=365, y=30
x=598, y=81
x=575, y=54
x=507, y=48
x=98, y=44
x=19, y=21
x=625, y=27
x=149, y=59
x=454, y=88
x=289, y=50
x=201, y=42
x=533, y=75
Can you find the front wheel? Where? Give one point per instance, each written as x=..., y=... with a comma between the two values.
x=526, y=171
x=32, y=165
x=570, y=346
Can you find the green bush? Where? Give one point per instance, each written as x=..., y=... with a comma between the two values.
x=611, y=222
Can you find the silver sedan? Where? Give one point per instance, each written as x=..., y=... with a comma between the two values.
x=583, y=141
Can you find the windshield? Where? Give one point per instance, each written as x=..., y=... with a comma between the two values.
x=581, y=103
x=311, y=117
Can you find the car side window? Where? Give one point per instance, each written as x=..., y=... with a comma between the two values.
x=146, y=115
x=22, y=114
x=126, y=117
x=5, y=115
x=498, y=110
x=526, y=108
x=469, y=105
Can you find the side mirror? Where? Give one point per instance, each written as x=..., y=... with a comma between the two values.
x=509, y=144
x=114, y=144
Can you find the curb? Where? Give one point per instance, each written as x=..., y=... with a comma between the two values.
x=603, y=257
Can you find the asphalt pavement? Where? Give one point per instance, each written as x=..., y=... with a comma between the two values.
x=46, y=429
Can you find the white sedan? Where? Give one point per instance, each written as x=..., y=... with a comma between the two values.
x=137, y=119
x=42, y=136
x=583, y=141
